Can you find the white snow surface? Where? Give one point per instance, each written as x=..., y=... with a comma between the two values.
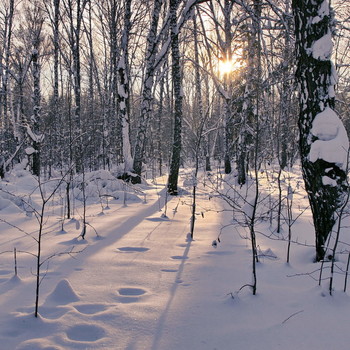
x=142, y=285
x=333, y=143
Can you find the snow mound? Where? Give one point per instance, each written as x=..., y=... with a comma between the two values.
x=102, y=183
x=268, y=253
x=6, y=206
x=333, y=143
x=63, y=293
x=26, y=181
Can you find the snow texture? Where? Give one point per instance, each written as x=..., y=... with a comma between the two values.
x=322, y=48
x=332, y=142
x=143, y=285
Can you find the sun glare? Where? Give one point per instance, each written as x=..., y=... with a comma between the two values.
x=227, y=67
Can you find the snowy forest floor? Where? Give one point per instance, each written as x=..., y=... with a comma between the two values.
x=140, y=283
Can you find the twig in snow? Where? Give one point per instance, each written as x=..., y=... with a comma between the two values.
x=295, y=313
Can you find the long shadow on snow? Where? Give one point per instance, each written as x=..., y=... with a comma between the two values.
x=162, y=319
x=116, y=232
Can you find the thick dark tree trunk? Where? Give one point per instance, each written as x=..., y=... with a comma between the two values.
x=325, y=180
x=36, y=110
x=248, y=114
x=177, y=92
x=227, y=51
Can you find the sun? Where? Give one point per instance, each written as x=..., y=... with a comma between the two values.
x=226, y=67
x=229, y=66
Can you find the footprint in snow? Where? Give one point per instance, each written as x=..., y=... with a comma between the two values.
x=179, y=257
x=169, y=270
x=131, y=291
x=132, y=249
x=85, y=332
x=90, y=309
x=130, y=295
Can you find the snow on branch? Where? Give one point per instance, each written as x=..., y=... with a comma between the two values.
x=36, y=138
x=332, y=142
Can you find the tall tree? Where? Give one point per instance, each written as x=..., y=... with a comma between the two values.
x=147, y=86
x=227, y=57
x=178, y=95
x=123, y=88
x=75, y=10
x=5, y=51
x=249, y=111
x=35, y=18
x=323, y=139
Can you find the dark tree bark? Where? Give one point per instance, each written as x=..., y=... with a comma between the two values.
x=228, y=110
x=5, y=53
x=177, y=92
x=55, y=124
x=6, y=59
x=36, y=110
x=315, y=77
x=110, y=122
x=75, y=9
x=248, y=115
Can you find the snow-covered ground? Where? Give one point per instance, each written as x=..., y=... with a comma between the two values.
x=137, y=282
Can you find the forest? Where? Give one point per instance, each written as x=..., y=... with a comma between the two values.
x=102, y=84
x=234, y=110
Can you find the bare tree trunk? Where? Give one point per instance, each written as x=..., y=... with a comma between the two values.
x=147, y=86
x=112, y=114
x=227, y=52
x=7, y=52
x=75, y=9
x=55, y=125
x=36, y=112
x=178, y=95
x=248, y=111
x=35, y=18
x=90, y=123
x=123, y=88
x=4, y=70
x=325, y=177
x=160, y=152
